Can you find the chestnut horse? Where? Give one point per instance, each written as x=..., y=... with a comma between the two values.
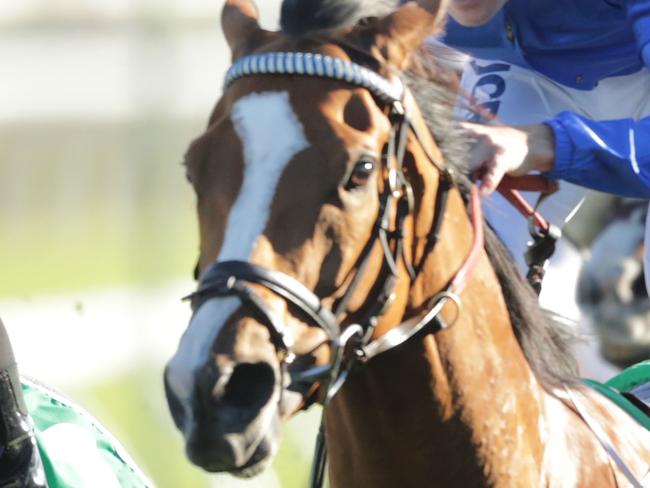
x=336, y=244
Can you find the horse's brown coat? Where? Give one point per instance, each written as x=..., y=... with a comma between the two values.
x=459, y=408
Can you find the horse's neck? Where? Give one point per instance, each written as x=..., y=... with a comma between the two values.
x=437, y=409
x=461, y=407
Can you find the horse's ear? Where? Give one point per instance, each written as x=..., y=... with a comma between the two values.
x=240, y=26
x=405, y=29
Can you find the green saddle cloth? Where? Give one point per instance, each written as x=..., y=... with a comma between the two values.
x=77, y=452
x=626, y=381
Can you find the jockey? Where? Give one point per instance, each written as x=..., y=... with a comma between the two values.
x=570, y=79
x=46, y=441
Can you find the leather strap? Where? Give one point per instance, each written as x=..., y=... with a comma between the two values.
x=602, y=437
x=404, y=331
x=215, y=281
x=510, y=187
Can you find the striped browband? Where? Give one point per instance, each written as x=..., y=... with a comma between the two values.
x=317, y=66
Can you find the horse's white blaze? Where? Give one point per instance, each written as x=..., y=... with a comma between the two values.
x=271, y=135
x=195, y=345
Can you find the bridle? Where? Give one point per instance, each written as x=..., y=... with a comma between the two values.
x=355, y=343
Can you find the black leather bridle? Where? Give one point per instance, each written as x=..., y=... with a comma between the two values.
x=355, y=342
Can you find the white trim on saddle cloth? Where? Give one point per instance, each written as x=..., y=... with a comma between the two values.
x=76, y=449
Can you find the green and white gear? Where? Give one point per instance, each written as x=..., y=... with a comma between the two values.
x=77, y=452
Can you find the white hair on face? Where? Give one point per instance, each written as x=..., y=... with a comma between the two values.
x=195, y=346
x=271, y=135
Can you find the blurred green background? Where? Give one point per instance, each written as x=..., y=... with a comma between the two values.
x=98, y=101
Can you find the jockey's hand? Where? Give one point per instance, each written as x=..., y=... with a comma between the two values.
x=501, y=150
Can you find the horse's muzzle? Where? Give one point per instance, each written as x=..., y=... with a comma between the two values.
x=229, y=424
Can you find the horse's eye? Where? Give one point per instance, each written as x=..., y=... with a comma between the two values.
x=360, y=174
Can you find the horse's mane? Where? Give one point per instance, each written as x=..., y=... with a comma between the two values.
x=545, y=343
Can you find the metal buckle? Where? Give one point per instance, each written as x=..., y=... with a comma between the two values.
x=445, y=296
x=340, y=371
x=394, y=183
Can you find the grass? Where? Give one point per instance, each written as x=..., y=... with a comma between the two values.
x=93, y=250
x=131, y=406
x=90, y=204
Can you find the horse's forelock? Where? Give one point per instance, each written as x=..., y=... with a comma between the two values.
x=300, y=17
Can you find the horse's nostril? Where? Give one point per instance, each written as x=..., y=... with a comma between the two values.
x=250, y=386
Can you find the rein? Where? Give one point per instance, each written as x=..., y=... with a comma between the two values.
x=354, y=343
x=544, y=234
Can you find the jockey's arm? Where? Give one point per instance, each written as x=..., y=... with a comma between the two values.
x=609, y=156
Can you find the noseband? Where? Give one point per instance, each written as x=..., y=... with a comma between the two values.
x=355, y=342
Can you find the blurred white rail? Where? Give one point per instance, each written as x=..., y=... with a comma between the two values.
x=78, y=337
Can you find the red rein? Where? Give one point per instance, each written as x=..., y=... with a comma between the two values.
x=509, y=188
x=464, y=273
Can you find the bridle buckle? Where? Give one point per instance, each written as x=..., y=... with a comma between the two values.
x=394, y=183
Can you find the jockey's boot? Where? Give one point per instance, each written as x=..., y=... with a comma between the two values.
x=20, y=461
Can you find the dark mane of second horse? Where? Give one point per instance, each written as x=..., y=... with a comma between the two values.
x=545, y=344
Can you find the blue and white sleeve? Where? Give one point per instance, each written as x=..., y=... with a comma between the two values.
x=609, y=156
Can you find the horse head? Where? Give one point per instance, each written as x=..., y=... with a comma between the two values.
x=300, y=199
x=337, y=247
